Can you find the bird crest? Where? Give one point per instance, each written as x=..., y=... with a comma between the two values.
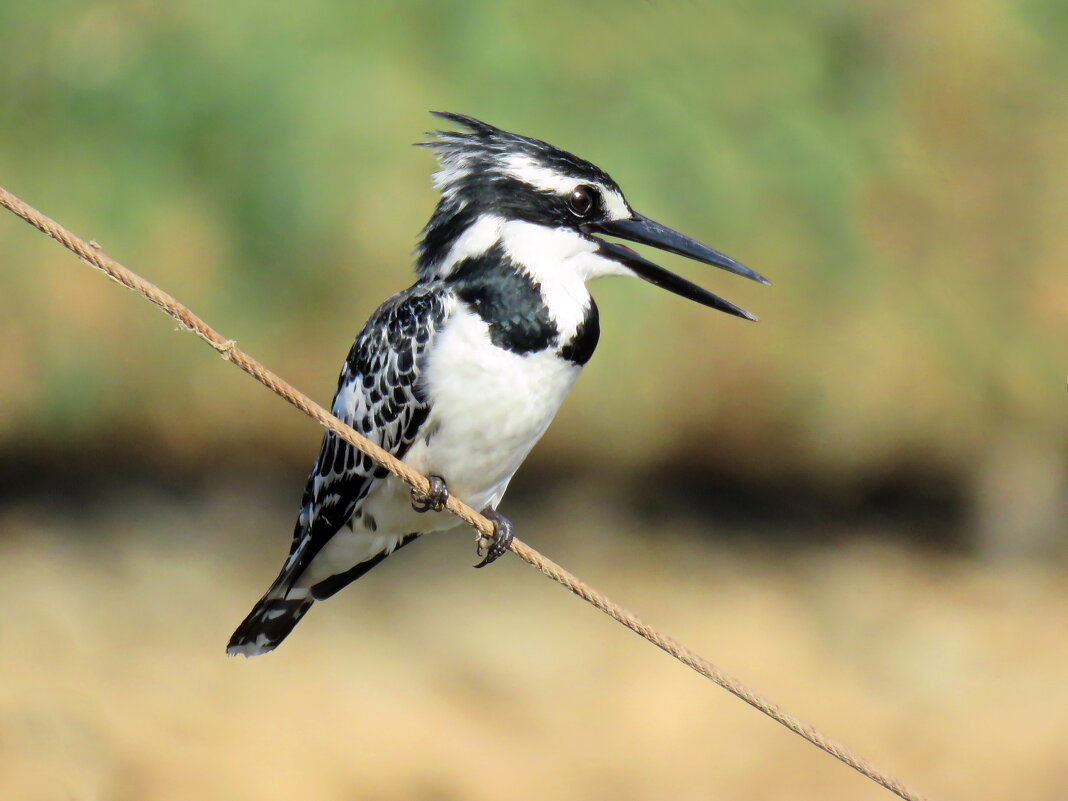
x=485, y=151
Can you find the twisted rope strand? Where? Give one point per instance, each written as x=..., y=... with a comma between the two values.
x=91, y=253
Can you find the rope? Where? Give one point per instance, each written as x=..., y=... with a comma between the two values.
x=91, y=253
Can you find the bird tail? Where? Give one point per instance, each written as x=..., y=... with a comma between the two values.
x=269, y=622
x=283, y=605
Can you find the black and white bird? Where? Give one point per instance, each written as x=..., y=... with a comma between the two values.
x=461, y=374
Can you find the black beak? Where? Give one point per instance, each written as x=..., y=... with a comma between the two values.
x=647, y=232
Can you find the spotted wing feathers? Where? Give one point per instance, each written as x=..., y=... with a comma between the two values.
x=380, y=395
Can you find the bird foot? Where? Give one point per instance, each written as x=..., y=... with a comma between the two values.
x=434, y=500
x=493, y=547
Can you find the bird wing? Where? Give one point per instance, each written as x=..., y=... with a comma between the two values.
x=379, y=394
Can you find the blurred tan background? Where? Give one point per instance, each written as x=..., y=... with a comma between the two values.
x=871, y=523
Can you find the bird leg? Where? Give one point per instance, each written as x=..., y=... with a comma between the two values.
x=434, y=500
x=495, y=546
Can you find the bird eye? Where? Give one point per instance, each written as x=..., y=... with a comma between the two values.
x=581, y=200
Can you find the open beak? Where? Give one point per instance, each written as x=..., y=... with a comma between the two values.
x=647, y=232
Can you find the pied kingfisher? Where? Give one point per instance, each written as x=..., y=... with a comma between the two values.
x=461, y=374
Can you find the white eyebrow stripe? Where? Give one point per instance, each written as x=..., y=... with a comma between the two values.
x=525, y=169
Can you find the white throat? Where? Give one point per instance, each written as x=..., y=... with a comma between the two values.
x=560, y=261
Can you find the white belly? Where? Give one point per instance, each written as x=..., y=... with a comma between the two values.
x=490, y=406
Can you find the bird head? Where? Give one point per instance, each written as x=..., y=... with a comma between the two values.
x=492, y=180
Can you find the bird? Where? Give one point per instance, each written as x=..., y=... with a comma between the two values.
x=460, y=374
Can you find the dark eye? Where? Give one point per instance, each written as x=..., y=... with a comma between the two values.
x=581, y=200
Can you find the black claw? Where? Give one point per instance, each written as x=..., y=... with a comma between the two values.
x=503, y=535
x=435, y=499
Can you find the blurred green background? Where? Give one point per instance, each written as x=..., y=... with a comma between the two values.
x=899, y=171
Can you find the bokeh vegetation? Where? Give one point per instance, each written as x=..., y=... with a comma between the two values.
x=899, y=172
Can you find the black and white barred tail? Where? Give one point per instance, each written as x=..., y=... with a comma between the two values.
x=280, y=609
x=269, y=622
